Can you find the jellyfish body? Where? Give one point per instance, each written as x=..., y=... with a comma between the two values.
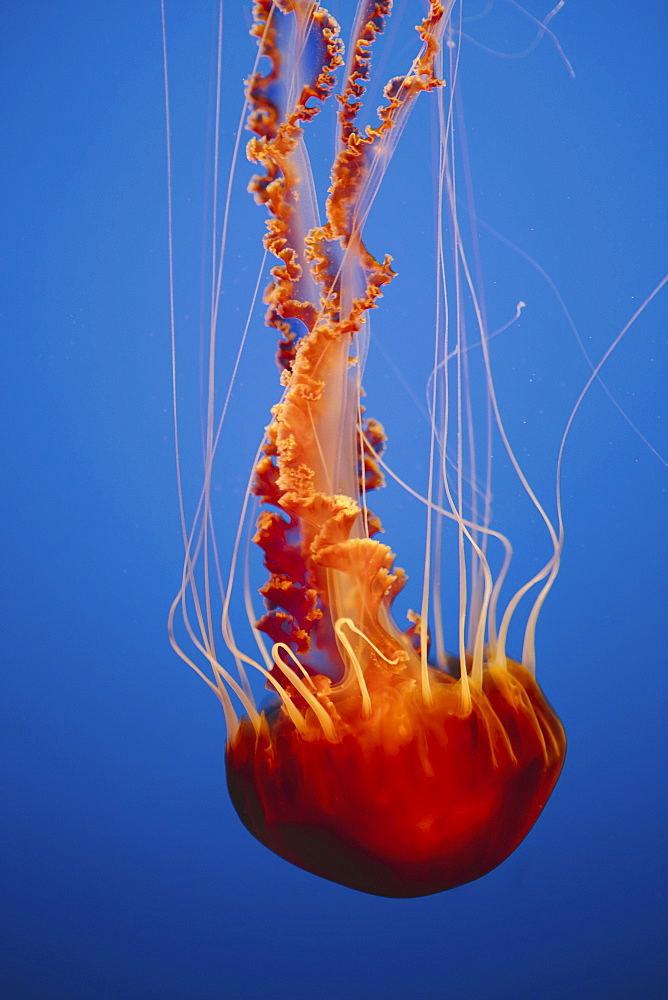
x=412, y=800
x=377, y=767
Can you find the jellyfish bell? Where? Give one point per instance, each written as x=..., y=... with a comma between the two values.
x=410, y=800
x=382, y=766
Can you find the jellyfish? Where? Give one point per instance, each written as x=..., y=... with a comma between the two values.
x=383, y=761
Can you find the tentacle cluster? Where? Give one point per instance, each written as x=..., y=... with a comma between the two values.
x=313, y=528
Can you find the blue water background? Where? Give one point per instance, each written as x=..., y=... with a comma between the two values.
x=125, y=872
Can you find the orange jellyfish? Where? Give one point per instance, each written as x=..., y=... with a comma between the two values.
x=381, y=764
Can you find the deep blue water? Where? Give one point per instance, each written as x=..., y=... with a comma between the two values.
x=125, y=873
